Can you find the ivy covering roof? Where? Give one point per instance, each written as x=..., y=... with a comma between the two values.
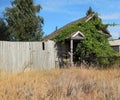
x=66, y=31
x=94, y=46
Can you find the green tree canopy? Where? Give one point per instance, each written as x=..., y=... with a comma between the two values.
x=3, y=30
x=90, y=11
x=23, y=22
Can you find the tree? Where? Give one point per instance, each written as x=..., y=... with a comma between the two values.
x=90, y=11
x=3, y=30
x=23, y=22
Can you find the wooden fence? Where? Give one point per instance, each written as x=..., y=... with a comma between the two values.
x=18, y=56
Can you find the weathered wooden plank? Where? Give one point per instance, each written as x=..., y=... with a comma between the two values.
x=18, y=56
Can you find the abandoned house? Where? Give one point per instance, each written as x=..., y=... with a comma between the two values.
x=65, y=49
x=115, y=44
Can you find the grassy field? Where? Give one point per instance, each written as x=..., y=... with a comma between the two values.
x=64, y=84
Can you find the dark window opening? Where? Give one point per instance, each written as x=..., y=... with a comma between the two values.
x=43, y=45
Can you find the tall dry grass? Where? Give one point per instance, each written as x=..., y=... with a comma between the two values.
x=64, y=84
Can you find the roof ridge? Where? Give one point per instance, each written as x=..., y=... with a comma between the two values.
x=86, y=18
x=57, y=31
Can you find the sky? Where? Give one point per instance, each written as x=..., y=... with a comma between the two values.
x=58, y=13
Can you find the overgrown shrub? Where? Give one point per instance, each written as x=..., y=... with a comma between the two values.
x=94, y=46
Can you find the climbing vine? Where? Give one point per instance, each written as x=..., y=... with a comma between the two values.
x=95, y=44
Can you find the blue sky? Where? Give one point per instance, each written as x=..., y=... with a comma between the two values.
x=58, y=13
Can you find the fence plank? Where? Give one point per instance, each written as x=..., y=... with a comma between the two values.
x=17, y=56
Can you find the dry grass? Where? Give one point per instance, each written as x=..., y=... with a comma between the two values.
x=64, y=84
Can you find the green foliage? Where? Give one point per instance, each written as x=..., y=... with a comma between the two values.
x=23, y=23
x=65, y=33
x=94, y=46
x=3, y=30
x=90, y=11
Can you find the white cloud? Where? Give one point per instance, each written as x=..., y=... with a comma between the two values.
x=115, y=31
x=58, y=6
x=115, y=35
x=111, y=16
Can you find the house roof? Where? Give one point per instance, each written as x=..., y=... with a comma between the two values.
x=114, y=42
x=76, y=36
x=86, y=18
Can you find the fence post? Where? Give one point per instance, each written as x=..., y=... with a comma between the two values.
x=71, y=47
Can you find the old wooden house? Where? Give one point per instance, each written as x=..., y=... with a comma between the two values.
x=66, y=49
x=115, y=44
